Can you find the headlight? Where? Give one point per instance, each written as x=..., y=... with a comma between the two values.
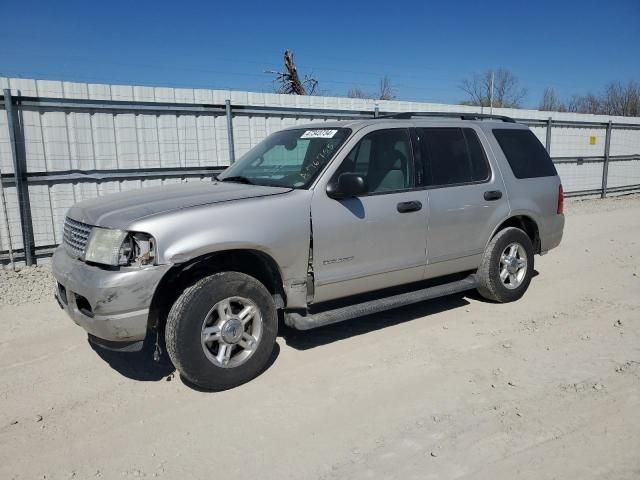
x=119, y=248
x=104, y=246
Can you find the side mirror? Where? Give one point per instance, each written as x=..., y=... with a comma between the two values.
x=348, y=185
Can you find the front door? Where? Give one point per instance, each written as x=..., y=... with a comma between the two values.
x=376, y=240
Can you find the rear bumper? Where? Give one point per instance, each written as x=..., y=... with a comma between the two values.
x=112, y=305
x=552, y=235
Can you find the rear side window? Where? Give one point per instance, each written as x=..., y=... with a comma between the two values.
x=525, y=154
x=452, y=156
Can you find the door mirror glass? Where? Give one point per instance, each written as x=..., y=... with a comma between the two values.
x=348, y=185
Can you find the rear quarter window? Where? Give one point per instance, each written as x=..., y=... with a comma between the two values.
x=525, y=154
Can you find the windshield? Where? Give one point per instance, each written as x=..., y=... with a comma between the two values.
x=289, y=158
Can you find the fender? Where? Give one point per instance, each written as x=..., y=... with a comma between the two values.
x=276, y=226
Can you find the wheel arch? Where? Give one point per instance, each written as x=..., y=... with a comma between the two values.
x=255, y=263
x=525, y=223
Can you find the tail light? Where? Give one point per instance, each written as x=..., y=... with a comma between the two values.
x=560, y=200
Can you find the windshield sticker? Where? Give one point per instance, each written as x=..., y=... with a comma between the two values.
x=319, y=134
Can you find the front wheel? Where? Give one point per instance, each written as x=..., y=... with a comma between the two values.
x=507, y=266
x=222, y=330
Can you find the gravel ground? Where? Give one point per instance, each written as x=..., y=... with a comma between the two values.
x=578, y=206
x=546, y=387
x=26, y=285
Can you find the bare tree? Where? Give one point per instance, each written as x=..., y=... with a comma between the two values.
x=357, y=92
x=619, y=99
x=385, y=92
x=616, y=99
x=289, y=81
x=589, y=103
x=551, y=102
x=507, y=92
x=386, y=89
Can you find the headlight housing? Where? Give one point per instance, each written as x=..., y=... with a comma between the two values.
x=114, y=247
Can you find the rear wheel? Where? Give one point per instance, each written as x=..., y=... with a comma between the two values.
x=221, y=331
x=507, y=266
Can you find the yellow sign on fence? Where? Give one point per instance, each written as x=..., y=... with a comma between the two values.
x=592, y=140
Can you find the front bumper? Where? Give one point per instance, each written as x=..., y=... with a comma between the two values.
x=111, y=305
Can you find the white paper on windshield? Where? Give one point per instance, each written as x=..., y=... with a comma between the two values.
x=319, y=134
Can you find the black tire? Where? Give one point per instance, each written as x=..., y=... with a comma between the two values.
x=185, y=323
x=489, y=284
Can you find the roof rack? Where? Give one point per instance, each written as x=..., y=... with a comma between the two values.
x=463, y=116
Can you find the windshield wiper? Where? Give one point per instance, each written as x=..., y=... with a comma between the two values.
x=237, y=179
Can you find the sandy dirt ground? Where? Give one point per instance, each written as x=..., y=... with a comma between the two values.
x=547, y=387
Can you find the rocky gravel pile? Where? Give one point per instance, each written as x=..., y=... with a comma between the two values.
x=582, y=206
x=26, y=285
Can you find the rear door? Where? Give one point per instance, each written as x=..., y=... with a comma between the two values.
x=467, y=199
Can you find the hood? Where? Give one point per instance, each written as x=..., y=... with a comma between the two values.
x=119, y=210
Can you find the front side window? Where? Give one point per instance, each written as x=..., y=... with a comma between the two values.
x=384, y=160
x=452, y=156
x=289, y=158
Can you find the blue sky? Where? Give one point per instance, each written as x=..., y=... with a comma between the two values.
x=426, y=48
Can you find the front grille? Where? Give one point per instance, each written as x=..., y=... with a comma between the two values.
x=76, y=236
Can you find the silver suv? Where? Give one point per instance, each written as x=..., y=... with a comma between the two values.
x=304, y=227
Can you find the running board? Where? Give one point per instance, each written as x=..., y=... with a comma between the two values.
x=327, y=317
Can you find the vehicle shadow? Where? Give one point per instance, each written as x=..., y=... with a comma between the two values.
x=142, y=367
x=304, y=340
x=137, y=365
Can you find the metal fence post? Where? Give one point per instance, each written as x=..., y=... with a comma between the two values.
x=16, y=139
x=548, y=139
x=605, y=165
x=5, y=212
x=232, y=150
x=376, y=111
